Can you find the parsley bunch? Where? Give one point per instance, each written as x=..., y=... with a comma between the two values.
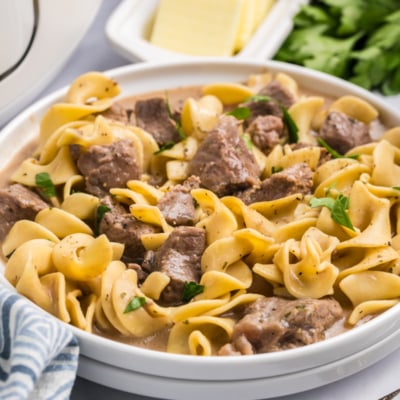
x=356, y=40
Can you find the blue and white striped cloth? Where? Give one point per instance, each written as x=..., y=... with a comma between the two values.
x=38, y=355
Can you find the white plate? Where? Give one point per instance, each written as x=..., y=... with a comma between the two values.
x=61, y=26
x=238, y=389
x=129, y=27
x=361, y=346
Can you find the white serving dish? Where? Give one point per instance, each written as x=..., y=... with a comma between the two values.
x=128, y=29
x=171, y=376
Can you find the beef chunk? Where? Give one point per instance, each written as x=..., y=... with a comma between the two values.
x=108, y=166
x=272, y=324
x=18, y=202
x=260, y=108
x=278, y=92
x=119, y=225
x=223, y=162
x=343, y=133
x=296, y=179
x=118, y=112
x=152, y=116
x=279, y=96
x=177, y=205
x=265, y=132
x=179, y=257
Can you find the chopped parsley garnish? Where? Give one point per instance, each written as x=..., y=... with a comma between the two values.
x=166, y=146
x=333, y=152
x=135, y=303
x=247, y=140
x=191, y=289
x=44, y=182
x=338, y=208
x=101, y=210
x=240, y=112
x=274, y=170
x=396, y=187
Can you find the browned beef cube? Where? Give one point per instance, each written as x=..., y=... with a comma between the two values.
x=223, y=162
x=18, y=202
x=278, y=92
x=179, y=257
x=265, y=132
x=118, y=112
x=119, y=225
x=272, y=324
x=296, y=179
x=343, y=133
x=177, y=205
x=152, y=116
x=109, y=166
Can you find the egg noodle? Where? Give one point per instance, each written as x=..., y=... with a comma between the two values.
x=61, y=264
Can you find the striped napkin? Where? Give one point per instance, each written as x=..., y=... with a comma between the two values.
x=38, y=355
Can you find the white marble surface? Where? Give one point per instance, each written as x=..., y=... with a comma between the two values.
x=94, y=53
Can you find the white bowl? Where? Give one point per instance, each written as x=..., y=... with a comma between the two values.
x=259, y=376
x=128, y=30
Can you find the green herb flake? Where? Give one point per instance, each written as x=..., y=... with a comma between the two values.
x=190, y=290
x=275, y=170
x=333, y=152
x=247, y=140
x=338, y=208
x=240, y=113
x=293, y=130
x=396, y=187
x=44, y=182
x=166, y=146
x=101, y=210
x=135, y=303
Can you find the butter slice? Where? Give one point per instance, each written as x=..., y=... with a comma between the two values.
x=247, y=23
x=197, y=27
x=263, y=7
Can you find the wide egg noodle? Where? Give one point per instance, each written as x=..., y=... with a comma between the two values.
x=312, y=274
x=60, y=169
x=214, y=331
x=200, y=116
x=219, y=221
x=141, y=322
x=81, y=257
x=61, y=223
x=23, y=231
x=89, y=93
x=38, y=251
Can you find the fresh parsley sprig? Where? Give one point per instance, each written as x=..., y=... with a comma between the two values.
x=338, y=208
x=101, y=210
x=356, y=40
x=333, y=152
x=135, y=303
x=166, y=146
x=45, y=184
x=190, y=290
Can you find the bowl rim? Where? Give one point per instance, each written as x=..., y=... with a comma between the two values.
x=233, y=367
